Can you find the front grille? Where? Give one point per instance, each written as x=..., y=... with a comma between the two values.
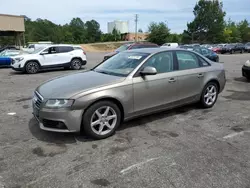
x=37, y=100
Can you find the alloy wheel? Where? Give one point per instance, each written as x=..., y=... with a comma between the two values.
x=76, y=64
x=103, y=120
x=32, y=67
x=210, y=95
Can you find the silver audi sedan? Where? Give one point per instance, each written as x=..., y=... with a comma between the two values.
x=130, y=84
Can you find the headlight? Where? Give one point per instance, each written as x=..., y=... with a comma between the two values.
x=247, y=63
x=59, y=103
x=19, y=59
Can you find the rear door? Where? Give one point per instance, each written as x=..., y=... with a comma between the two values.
x=190, y=76
x=65, y=54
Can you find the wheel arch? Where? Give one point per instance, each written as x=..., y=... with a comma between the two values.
x=76, y=58
x=111, y=99
x=32, y=60
x=214, y=81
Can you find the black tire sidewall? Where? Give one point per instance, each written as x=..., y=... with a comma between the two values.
x=204, y=105
x=26, y=67
x=86, y=127
x=72, y=67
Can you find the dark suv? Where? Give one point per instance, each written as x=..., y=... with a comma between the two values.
x=130, y=46
x=232, y=48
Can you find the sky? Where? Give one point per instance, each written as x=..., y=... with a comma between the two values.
x=175, y=13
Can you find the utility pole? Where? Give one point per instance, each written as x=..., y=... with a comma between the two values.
x=136, y=21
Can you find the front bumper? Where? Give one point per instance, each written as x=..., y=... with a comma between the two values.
x=17, y=66
x=58, y=120
x=246, y=71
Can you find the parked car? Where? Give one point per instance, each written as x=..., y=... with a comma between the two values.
x=170, y=45
x=5, y=57
x=8, y=48
x=247, y=47
x=208, y=54
x=246, y=70
x=130, y=46
x=50, y=57
x=232, y=48
x=127, y=85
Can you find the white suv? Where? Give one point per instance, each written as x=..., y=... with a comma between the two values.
x=52, y=56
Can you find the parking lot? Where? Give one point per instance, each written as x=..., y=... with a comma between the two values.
x=187, y=147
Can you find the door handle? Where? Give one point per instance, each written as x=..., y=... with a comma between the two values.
x=200, y=75
x=171, y=80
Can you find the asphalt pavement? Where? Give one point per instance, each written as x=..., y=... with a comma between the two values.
x=186, y=147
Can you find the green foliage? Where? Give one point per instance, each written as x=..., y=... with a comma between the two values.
x=76, y=32
x=208, y=24
x=158, y=33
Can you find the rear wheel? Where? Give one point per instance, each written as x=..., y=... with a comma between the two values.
x=209, y=95
x=232, y=51
x=101, y=119
x=76, y=64
x=32, y=67
x=241, y=51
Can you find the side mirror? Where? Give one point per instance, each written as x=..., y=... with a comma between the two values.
x=148, y=71
x=43, y=53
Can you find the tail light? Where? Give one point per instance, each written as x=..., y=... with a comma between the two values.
x=84, y=52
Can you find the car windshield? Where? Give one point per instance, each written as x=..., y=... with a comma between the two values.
x=121, y=64
x=248, y=44
x=122, y=48
x=37, y=50
x=230, y=46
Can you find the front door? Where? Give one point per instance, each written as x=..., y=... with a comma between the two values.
x=49, y=57
x=155, y=91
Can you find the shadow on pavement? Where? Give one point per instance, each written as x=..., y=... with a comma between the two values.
x=158, y=116
x=241, y=79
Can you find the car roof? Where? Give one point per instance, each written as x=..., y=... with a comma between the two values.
x=154, y=50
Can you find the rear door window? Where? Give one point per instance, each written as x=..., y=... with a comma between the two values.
x=187, y=60
x=65, y=49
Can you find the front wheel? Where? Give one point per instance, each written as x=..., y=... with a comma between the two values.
x=32, y=67
x=209, y=95
x=101, y=119
x=76, y=64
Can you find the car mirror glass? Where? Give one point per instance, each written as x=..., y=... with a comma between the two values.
x=148, y=71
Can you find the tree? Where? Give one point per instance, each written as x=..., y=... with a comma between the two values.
x=244, y=29
x=158, y=33
x=140, y=31
x=93, y=31
x=208, y=24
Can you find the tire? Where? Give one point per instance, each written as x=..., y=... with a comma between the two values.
x=204, y=100
x=76, y=64
x=99, y=129
x=32, y=67
x=241, y=51
x=232, y=51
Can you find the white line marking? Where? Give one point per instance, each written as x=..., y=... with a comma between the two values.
x=137, y=165
x=235, y=134
x=12, y=113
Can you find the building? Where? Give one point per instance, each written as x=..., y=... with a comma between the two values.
x=11, y=25
x=121, y=26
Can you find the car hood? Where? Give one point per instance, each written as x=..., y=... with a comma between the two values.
x=67, y=86
x=25, y=55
